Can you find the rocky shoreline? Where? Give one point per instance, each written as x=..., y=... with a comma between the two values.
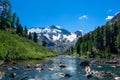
x=102, y=74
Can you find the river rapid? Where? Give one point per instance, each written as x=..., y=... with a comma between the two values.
x=59, y=68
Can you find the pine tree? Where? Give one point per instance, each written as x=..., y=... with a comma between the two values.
x=44, y=43
x=30, y=36
x=19, y=30
x=25, y=32
x=78, y=50
x=5, y=14
x=35, y=37
x=107, y=38
x=17, y=22
x=118, y=43
x=112, y=42
x=14, y=18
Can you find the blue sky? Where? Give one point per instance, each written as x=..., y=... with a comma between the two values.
x=72, y=15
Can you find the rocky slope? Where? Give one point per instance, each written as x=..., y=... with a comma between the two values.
x=58, y=39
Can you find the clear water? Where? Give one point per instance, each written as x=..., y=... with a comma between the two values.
x=73, y=68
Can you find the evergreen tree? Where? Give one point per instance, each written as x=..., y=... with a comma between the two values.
x=72, y=49
x=17, y=22
x=14, y=18
x=35, y=37
x=44, y=43
x=30, y=36
x=19, y=30
x=118, y=43
x=107, y=38
x=112, y=42
x=99, y=39
x=5, y=14
x=78, y=50
x=25, y=32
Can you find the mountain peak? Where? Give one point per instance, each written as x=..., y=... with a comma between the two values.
x=78, y=33
x=56, y=37
x=53, y=27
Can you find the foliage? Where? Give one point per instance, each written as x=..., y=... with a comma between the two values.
x=21, y=48
x=17, y=45
x=35, y=37
x=102, y=42
x=30, y=36
x=44, y=43
x=10, y=21
x=5, y=14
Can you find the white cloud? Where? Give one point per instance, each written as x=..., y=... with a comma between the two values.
x=109, y=10
x=109, y=17
x=83, y=17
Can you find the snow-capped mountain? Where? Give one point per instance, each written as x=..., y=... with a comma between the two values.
x=57, y=39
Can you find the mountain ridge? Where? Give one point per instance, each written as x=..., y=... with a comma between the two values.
x=58, y=39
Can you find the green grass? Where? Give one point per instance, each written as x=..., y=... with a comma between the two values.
x=21, y=48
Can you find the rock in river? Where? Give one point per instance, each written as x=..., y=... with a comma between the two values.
x=12, y=75
x=117, y=78
x=62, y=66
x=2, y=74
x=63, y=75
x=102, y=74
x=27, y=67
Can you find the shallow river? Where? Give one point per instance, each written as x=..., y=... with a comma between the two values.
x=51, y=70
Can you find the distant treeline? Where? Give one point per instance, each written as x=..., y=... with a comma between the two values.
x=103, y=42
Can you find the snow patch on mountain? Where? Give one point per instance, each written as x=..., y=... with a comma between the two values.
x=58, y=39
x=37, y=30
x=55, y=38
x=56, y=30
x=47, y=30
x=47, y=36
x=71, y=37
x=54, y=33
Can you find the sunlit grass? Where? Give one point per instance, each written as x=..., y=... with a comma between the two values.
x=21, y=48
